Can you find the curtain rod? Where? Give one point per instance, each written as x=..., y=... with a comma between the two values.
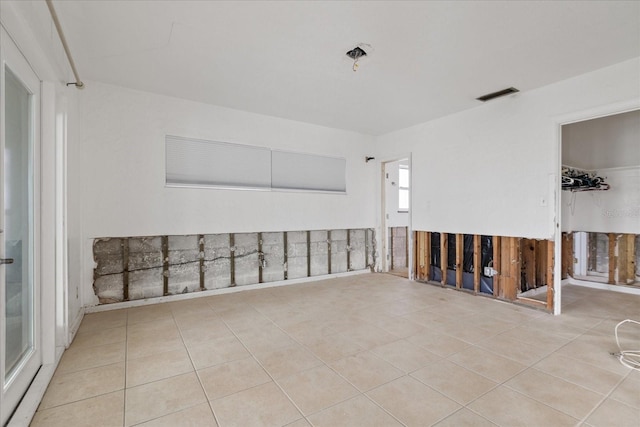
x=78, y=83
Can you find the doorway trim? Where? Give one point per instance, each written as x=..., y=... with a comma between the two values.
x=559, y=121
x=384, y=238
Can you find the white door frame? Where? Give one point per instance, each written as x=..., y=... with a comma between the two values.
x=12, y=392
x=384, y=238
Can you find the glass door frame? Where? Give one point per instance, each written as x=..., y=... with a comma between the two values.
x=12, y=391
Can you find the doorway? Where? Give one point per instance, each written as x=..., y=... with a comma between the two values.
x=599, y=201
x=20, y=352
x=396, y=217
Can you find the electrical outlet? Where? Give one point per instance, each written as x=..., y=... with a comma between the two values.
x=490, y=272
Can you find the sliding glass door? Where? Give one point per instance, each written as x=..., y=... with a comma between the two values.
x=20, y=356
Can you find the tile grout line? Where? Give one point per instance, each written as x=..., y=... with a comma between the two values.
x=195, y=371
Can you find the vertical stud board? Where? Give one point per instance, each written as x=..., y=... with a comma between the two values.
x=418, y=258
x=477, y=262
x=444, y=256
x=273, y=249
x=232, y=259
x=201, y=260
x=125, y=269
x=528, y=250
x=146, y=266
x=349, y=250
x=549, y=273
x=184, y=264
x=329, y=270
x=612, y=258
x=319, y=253
x=261, y=261
x=246, y=267
x=165, y=265
x=391, y=249
x=510, y=268
x=459, y=256
x=338, y=251
x=285, y=239
x=542, y=261
x=217, y=261
x=108, y=273
x=567, y=255
x=631, y=251
x=497, y=264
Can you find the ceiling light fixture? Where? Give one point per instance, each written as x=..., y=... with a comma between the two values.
x=356, y=53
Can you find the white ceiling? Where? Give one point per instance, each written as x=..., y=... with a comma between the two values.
x=287, y=59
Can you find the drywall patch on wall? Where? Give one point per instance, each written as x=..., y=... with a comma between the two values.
x=131, y=268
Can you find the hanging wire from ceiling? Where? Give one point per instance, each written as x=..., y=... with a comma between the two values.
x=356, y=53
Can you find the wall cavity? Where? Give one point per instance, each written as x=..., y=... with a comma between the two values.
x=132, y=268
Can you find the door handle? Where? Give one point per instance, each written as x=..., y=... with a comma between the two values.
x=6, y=261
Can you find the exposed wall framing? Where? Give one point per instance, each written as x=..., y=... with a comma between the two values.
x=130, y=268
x=524, y=266
x=611, y=258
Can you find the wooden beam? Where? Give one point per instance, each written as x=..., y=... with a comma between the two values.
x=308, y=253
x=495, y=240
x=592, y=241
x=329, y=251
x=511, y=291
x=477, y=262
x=165, y=265
x=541, y=263
x=549, y=275
x=459, y=259
x=391, y=266
x=444, y=256
x=232, y=259
x=612, y=259
x=125, y=269
x=567, y=255
x=260, y=258
x=285, y=248
x=427, y=255
x=201, y=259
x=406, y=247
x=571, y=252
x=348, y=250
x=631, y=250
x=528, y=249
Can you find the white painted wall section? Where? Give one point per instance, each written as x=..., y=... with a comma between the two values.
x=493, y=169
x=122, y=165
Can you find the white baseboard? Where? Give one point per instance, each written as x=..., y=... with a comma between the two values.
x=75, y=325
x=29, y=405
x=200, y=294
x=625, y=289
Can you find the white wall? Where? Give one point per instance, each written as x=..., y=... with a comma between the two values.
x=606, y=142
x=616, y=210
x=494, y=169
x=610, y=146
x=123, y=172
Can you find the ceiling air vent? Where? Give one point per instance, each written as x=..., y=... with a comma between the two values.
x=498, y=94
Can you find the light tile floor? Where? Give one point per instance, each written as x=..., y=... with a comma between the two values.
x=368, y=350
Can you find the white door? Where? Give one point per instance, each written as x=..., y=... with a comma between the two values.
x=20, y=353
